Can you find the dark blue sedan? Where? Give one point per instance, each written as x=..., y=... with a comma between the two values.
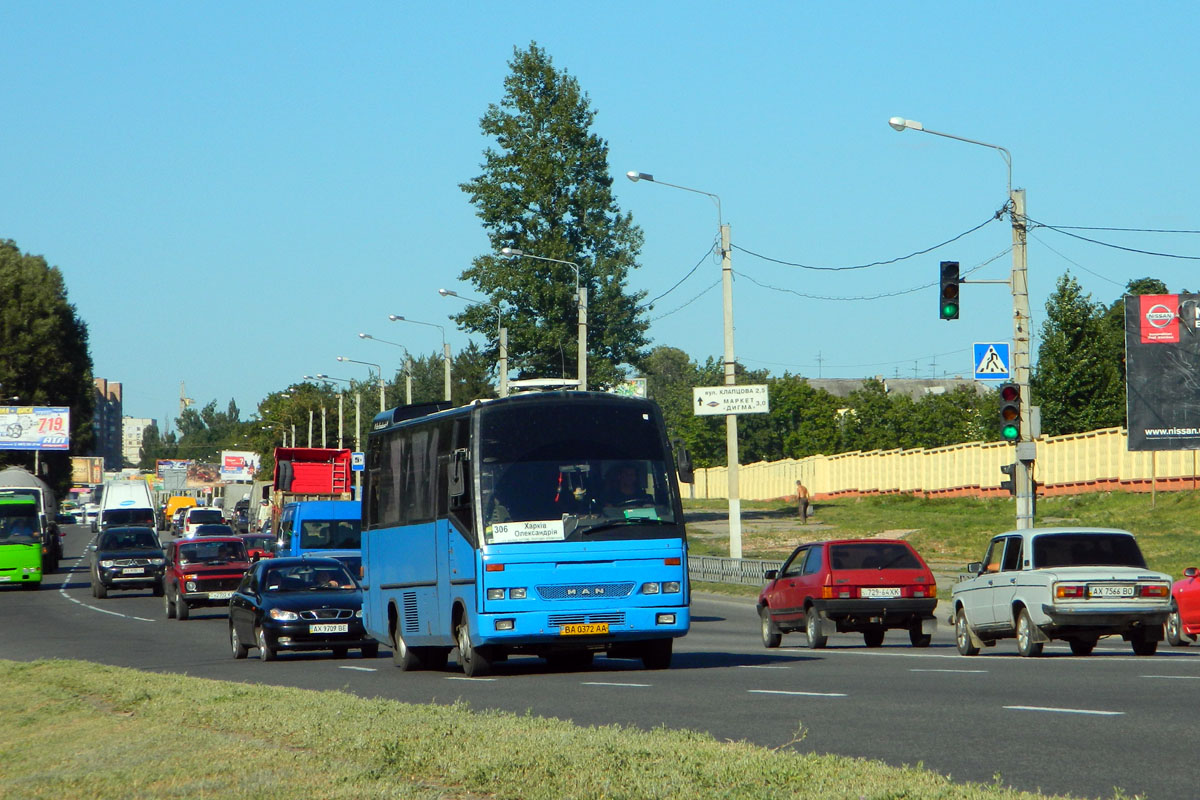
x=298, y=604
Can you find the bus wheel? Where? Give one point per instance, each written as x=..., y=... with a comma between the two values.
x=403, y=656
x=471, y=658
x=657, y=654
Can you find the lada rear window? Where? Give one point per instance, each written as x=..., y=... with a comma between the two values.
x=1086, y=550
x=872, y=555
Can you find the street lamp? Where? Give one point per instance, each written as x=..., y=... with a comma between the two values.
x=407, y=364
x=731, y=426
x=580, y=302
x=1026, y=450
x=323, y=437
x=501, y=336
x=382, y=398
x=445, y=347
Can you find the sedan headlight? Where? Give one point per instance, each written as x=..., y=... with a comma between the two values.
x=157, y=562
x=283, y=615
x=106, y=563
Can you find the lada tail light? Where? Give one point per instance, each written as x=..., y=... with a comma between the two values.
x=1070, y=591
x=1153, y=590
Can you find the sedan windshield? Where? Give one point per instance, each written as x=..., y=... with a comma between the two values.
x=212, y=552
x=308, y=578
x=128, y=540
x=1086, y=550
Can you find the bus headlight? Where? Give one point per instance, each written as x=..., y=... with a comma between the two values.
x=670, y=587
x=665, y=619
x=506, y=624
x=495, y=594
x=517, y=593
x=650, y=588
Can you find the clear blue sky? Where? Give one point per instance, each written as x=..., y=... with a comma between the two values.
x=233, y=191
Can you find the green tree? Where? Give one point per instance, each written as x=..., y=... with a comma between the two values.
x=156, y=445
x=1079, y=382
x=44, y=356
x=807, y=418
x=545, y=189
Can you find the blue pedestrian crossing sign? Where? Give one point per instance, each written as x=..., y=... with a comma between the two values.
x=992, y=361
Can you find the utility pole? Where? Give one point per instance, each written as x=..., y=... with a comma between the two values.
x=731, y=424
x=1026, y=448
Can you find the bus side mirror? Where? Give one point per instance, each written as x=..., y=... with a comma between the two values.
x=683, y=462
x=458, y=479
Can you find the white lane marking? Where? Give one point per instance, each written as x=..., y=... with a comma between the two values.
x=798, y=694
x=1175, y=677
x=630, y=685
x=1067, y=711
x=761, y=666
x=470, y=680
x=360, y=669
x=967, y=671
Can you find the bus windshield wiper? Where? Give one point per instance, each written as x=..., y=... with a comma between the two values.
x=622, y=523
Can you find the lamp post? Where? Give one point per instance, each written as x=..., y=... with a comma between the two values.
x=580, y=303
x=407, y=364
x=445, y=347
x=1026, y=450
x=382, y=398
x=501, y=337
x=323, y=437
x=731, y=426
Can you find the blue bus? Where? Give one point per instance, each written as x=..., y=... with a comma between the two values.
x=546, y=524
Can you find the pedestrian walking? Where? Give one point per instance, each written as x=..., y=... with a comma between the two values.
x=802, y=502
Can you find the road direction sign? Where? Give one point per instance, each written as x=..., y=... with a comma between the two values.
x=711, y=401
x=991, y=360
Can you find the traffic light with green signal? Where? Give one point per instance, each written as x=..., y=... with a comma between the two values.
x=1010, y=412
x=948, y=294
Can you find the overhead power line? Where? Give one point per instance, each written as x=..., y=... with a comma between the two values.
x=895, y=260
x=703, y=258
x=1065, y=232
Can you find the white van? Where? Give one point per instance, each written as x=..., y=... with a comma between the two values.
x=126, y=503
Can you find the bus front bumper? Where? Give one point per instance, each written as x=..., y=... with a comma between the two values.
x=594, y=628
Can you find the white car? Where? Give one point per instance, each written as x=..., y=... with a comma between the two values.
x=1075, y=584
x=91, y=511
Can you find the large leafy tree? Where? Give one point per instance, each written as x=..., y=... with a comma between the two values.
x=1080, y=383
x=44, y=356
x=545, y=189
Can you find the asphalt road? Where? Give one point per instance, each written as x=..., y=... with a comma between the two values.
x=1059, y=723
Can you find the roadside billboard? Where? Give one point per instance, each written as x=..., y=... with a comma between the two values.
x=238, y=465
x=1162, y=371
x=87, y=470
x=35, y=428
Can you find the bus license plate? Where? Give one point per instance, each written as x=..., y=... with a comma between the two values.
x=583, y=629
x=329, y=627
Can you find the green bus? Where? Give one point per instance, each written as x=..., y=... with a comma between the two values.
x=20, y=541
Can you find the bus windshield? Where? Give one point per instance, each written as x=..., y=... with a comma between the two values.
x=331, y=534
x=19, y=523
x=582, y=472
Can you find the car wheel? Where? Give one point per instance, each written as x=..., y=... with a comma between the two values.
x=1082, y=647
x=168, y=606
x=771, y=637
x=403, y=656
x=812, y=628
x=101, y=589
x=657, y=654
x=158, y=589
x=917, y=638
x=1026, y=631
x=370, y=650
x=1142, y=644
x=235, y=642
x=472, y=659
x=873, y=637
x=962, y=635
x=265, y=651
x=182, y=611
x=1174, y=629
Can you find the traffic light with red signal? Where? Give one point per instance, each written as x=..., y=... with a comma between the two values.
x=948, y=294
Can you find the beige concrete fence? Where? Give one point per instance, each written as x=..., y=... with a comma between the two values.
x=1082, y=462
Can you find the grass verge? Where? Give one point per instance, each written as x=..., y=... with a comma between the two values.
x=81, y=730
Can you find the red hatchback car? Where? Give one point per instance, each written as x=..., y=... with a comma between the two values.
x=1183, y=623
x=850, y=585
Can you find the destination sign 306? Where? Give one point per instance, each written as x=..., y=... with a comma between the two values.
x=711, y=401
